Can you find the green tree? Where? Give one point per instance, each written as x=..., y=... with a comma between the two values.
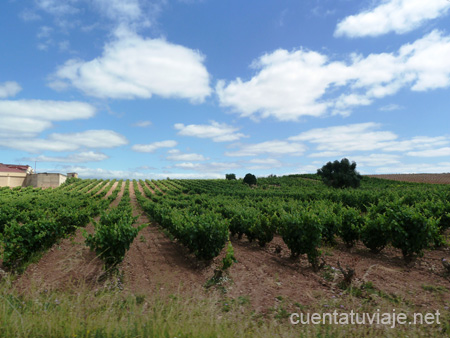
x=230, y=176
x=250, y=179
x=341, y=174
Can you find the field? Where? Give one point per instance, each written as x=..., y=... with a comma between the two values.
x=207, y=258
x=418, y=178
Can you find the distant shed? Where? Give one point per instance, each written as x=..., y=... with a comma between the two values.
x=45, y=180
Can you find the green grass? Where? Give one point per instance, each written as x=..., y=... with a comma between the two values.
x=86, y=313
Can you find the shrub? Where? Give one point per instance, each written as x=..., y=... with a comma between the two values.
x=352, y=223
x=411, y=231
x=340, y=174
x=302, y=233
x=375, y=232
x=113, y=236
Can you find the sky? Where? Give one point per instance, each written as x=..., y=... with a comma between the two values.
x=200, y=88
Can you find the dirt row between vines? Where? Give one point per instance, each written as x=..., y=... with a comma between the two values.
x=267, y=278
x=69, y=264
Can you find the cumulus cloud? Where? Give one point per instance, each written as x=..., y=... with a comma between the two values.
x=264, y=164
x=414, y=168
x=27, y=118
x=218, y=132
x=362, y=137
x=399, y=16
x=176, y=155
x=376, y=160
x=57, y=7
x=92, y=138
x=438, y=152
x=152, y=147
x=9, y=89
x=81, y=157
x=290, y=85
x=134, y=67
x=47, y=110
x=67, y=142
x=211, y=167
x=273, y=148
x=353, y=137
x=86, y=172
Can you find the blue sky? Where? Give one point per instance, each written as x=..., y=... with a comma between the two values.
x=200, y=88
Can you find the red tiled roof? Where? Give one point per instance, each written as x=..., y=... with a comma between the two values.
x=13, y=168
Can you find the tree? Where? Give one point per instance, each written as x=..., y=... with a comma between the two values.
x=230, y=176
x=250, y=179
x=340, y=174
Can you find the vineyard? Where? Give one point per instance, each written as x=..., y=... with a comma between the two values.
x=279, y=245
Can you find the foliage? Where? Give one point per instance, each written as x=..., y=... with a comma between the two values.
x=230, y=176
x=250, y=179
x=113, y=237
x=352, y=223
x=302, y=234
x=411, y=231
x=375, y=233
x=229, y=258
x=341, y=174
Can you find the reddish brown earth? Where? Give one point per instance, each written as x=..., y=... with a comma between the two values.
x=265, y=277
x=417, y=178
x=68, y=264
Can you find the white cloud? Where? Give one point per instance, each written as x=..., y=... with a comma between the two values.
x=12, y=126
x=9, y=89
x=399, y=16
x=391, y=107
x=439, y=152
x=120, y=10
x=152, y=147
x=218, y=132
x=57, y=7
x=264, y=164
x=92, y=138
x=352, y=137
x=82, y=157
x=375, y=160
x=85, y=172
x=67, y=142
x=37, y=145
x=47, y=110
x=328, y=154
x=290, y=85
x=27, y=118
x=274, y=148
x=134, y=67
x=142, y=124
x=417, y=143
x=211, y=167
x=342, y=140
x=414, y=168
x=176, y=155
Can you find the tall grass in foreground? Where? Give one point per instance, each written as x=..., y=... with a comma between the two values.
x=116, y=314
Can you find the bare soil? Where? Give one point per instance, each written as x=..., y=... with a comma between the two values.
x=417, y=178
x=264, y=277
x=69, y=264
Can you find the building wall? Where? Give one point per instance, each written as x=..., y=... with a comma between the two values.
x=45, y=180
x=12, y=179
